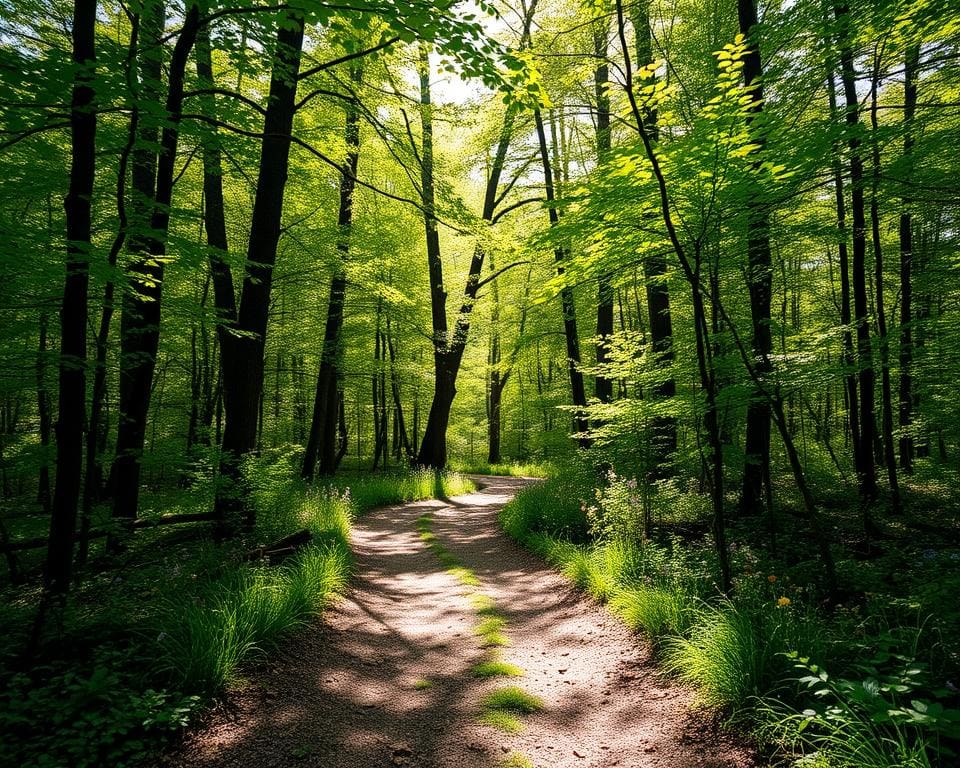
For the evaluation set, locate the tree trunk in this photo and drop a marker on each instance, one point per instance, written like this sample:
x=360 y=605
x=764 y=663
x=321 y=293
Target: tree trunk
x=692 y=272
x=578 y=393
x=73 y=313
x=905 y=390
x=323 y=427
x=759 y=281
x=400 y=425
x=866 y=471
x=664 y=428
x=603 y=385
x=848 y=358
x=140 y=313
x=886 y=393
x=242 y=355
x=43 y=414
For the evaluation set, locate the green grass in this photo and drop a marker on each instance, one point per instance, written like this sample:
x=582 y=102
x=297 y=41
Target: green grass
x=483 y=605
x=658 y=612
x=502 y=708
x=515 y=760
x=496 y=668
x=204 y=642
x=541 y=469
x=502 y=721
x=371 y=491
x=551 y=507
x=422 y=684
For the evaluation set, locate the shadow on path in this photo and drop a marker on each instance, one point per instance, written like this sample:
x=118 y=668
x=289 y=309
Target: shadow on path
x=343 y=693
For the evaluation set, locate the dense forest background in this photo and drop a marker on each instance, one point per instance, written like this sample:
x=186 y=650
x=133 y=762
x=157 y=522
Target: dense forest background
x=698 y=255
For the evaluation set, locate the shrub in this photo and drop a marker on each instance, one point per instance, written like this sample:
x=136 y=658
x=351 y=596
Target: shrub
x=553 y=508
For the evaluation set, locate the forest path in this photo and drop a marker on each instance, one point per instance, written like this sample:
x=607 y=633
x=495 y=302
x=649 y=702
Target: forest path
x=343 y=693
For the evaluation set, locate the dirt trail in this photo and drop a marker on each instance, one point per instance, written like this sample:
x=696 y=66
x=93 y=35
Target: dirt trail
x=342 y=694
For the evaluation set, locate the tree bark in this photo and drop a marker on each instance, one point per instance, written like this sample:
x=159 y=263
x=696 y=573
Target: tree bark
x=242 y=354
x=905 y=389
x=73 y=313
x=759 y=280
x=140 y=313
x=322 y=441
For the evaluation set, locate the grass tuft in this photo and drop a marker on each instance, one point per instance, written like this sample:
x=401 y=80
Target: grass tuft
x=657 y=612
x=501 y=708
x=497 y=668
x=204 y=642
x=503 y=721
x=483 y=605
x=422 y=684
x=516 y=760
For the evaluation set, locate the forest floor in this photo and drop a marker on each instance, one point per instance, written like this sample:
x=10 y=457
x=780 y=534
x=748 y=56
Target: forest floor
x=387 y=677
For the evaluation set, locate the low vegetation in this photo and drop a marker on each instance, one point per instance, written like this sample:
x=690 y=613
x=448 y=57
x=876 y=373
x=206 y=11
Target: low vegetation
x=862 y=682
x=149 y=649
x=503 y=707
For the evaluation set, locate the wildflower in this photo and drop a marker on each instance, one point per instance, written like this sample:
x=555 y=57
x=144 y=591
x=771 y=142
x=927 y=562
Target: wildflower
x=772 y=579
x=783 y=602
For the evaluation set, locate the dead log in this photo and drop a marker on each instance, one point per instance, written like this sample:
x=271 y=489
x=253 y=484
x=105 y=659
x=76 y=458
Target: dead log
x=281 y=548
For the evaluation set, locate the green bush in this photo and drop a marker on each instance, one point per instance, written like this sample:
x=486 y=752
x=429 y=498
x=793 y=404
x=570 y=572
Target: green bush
x=89 y=715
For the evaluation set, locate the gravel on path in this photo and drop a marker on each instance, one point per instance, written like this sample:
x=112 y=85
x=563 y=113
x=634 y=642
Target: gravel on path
x=385 y=679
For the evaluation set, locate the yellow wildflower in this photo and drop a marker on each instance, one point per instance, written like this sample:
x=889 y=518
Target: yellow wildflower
x=783 y=601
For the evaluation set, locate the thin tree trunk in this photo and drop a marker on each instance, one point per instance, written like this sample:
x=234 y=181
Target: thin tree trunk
x=399 y=421
x=43 y=414
x=664 y=428
x=848 y=358
x=323 y=427
x=905 y=390
x=866 y=471
x=691 y=270
x=886 y=393
x=578 y=393
x=603 y=385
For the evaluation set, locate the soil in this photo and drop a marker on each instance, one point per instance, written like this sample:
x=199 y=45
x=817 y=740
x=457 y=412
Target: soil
x=349 y=691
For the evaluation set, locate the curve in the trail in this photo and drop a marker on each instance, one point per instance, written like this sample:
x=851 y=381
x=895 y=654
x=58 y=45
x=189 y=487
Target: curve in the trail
x=386 y=680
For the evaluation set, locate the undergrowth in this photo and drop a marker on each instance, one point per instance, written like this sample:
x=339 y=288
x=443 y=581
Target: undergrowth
x=758 y=655
x=138 y=656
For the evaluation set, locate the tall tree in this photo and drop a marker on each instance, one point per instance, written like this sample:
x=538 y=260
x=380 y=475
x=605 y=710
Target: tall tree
x=73 y=312
x=866 y=470
x=242 y=351
x=657 y=288
x=905 y=389
x=140 y=314
x=603 y=384
x=756 y=469
x=322 y=441
x=886 y=393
